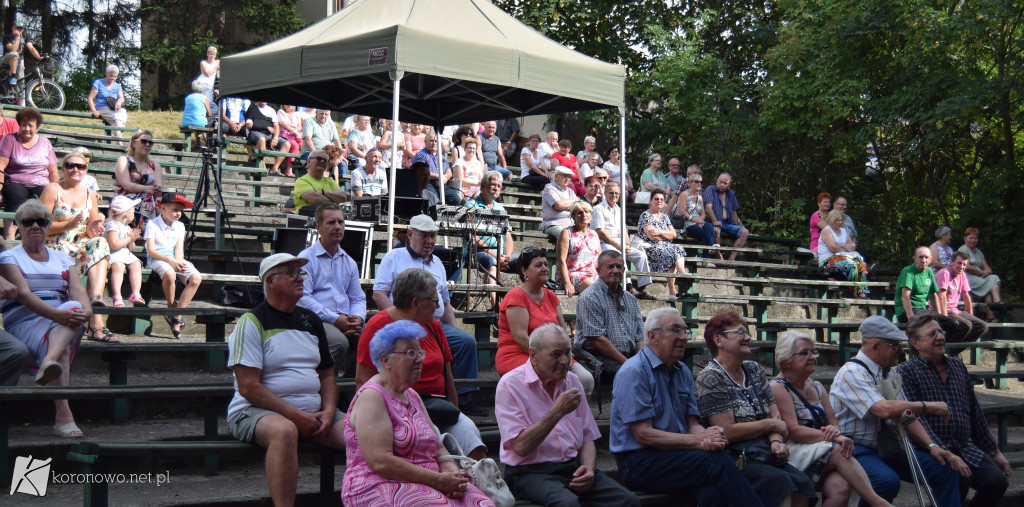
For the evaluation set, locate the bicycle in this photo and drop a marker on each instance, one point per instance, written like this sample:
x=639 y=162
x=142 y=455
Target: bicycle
x=44 y=93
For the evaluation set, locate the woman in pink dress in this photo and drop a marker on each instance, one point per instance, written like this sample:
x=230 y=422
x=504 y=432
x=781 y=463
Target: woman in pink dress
x=392 y=450
x=577 y=250
x=819 y=220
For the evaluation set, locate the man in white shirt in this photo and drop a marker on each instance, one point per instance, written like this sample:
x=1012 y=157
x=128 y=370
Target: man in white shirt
x=331 y=289
x=607 y=223
x=417 y=253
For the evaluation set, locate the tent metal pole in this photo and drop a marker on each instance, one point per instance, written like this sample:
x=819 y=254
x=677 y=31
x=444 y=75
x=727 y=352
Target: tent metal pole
x=622 y=184
x=440 y=171
x=396 y=77
x=218 y=241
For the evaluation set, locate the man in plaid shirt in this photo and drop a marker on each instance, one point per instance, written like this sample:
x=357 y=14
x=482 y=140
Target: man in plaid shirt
x=931 y=375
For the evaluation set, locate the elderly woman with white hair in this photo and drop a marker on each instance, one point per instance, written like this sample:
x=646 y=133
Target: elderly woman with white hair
x=197 y=111
x=393 y=452
x=106 y=99
x=816 y=445
x=942 y=252
x=589 y=148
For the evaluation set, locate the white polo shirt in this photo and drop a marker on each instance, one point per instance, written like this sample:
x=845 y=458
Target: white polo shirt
x=401 y=259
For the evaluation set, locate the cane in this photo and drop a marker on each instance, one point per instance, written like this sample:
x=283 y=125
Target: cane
x=916 y=471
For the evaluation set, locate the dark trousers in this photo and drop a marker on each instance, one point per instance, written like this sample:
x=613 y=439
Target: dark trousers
x=14 y=358
x=969 y=326
x=15 y=194
x=955 y=332
x=713 y=476
x=609 y=369
x=988 y=482
x=535 y=180
x=705 y=234
x=548 y=484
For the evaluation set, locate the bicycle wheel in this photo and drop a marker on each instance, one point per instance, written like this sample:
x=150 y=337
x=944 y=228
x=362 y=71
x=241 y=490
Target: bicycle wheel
x=46 y=94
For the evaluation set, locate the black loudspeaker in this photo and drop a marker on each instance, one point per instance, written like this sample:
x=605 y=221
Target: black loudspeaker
x=290 y=240
x=356 y=244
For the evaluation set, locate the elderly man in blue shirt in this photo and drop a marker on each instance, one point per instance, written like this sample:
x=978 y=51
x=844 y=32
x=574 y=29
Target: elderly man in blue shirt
x=657 y=441
x=331 y=289
x=428 y=155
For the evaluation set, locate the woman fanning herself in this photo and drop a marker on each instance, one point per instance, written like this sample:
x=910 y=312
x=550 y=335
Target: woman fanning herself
x=733 y=393
x=836 y=249
x=391 y=448
x=815 y=444
x=526 y=308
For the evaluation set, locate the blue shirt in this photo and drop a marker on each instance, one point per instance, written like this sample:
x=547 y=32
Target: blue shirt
x=424 y=155
x=711 y=197
x=332 y=285
x=103 y=92
x=646 y=388
x=194 y=114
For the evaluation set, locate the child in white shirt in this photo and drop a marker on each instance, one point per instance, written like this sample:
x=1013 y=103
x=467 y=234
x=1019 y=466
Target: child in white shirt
x=165 y=244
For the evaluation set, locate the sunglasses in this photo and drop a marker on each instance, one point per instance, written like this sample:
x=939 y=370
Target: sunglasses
x=41 y=222
x=146 y=142
x=321 y=160
x=73 y=165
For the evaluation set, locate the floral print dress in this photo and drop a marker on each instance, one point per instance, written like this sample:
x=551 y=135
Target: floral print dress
x=581 y=258
x=661 y=254
x=76 y=243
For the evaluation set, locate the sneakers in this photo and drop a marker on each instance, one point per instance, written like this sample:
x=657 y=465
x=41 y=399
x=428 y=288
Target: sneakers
x=644 y=294
x=13 y=81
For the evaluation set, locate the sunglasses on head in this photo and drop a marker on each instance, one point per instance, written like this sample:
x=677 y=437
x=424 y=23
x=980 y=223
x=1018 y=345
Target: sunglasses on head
x=41 y=222
x=75 y=165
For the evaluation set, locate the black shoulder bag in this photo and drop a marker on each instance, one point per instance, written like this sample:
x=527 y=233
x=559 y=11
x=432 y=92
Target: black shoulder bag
x=442 y=412
x=889 y=447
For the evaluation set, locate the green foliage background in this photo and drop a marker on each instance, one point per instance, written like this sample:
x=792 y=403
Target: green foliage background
x=788 y=94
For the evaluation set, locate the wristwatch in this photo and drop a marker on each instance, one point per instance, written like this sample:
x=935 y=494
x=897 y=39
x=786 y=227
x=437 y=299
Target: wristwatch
x=933 y=444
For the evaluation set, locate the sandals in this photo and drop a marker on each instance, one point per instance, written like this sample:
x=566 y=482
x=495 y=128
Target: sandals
x=97 y=301
x=289 y=174
x=118 y=302
x=136 y=298
x=275 y=173
x=105 y=337
x=175 y=321
x=69 y=430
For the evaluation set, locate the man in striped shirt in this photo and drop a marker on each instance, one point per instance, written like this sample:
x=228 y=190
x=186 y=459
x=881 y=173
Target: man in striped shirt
x=862 y=411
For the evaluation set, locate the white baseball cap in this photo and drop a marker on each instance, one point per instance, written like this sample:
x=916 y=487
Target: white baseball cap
x=423 y=223
x=278 y=259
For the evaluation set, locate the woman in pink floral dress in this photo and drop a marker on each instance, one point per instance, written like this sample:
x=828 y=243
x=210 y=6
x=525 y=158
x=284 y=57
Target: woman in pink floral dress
x=577 y=250
x=388 y=434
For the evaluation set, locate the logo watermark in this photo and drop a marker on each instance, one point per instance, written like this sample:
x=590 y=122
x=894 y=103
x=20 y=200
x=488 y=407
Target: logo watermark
x=32 y=476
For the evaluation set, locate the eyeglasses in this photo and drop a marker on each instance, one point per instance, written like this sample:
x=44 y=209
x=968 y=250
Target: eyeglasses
x=697 y=181
x=293 y=273
x=531 y=250
x=675 y=330
x=413 y=354
x=934 y=334
x=435 y=300
x=808 y=352
x=146 y=142
x=742 y=331
x=72 y=165
x=41 y=222
x=891 y=344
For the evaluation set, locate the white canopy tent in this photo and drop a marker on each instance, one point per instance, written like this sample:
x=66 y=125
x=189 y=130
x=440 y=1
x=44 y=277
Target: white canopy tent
x=435 y=62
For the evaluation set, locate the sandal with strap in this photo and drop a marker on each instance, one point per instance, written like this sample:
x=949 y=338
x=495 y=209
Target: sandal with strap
x=105 y=337
x=136 y=298
x=118 y=302
x=68 y=430
x=174 y=321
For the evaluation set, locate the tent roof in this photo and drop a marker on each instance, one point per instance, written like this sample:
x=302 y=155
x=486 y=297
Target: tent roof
x=461 y=61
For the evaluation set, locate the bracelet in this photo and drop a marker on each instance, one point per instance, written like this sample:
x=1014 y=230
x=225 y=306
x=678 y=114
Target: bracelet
x=933 y=444
x=924 y=408
x=777 y=440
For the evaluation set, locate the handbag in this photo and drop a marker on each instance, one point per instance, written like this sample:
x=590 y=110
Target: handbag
x=642 y=197
x=755 y=450
x=112 y=102
x=483 y=474
x=890 y=449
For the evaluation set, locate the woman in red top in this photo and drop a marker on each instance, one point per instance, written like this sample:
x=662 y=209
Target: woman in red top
x=526 y=308
x=565 y=158
x=415 y=299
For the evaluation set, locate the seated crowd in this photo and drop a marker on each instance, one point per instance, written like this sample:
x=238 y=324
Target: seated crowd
x=730 y=435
